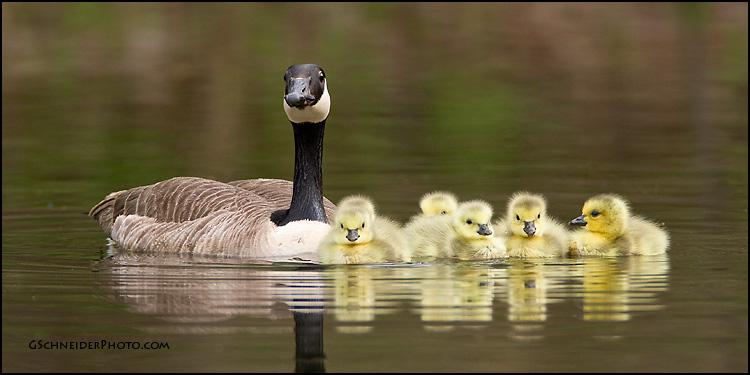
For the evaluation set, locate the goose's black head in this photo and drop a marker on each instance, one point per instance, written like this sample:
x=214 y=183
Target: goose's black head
x=306 y=96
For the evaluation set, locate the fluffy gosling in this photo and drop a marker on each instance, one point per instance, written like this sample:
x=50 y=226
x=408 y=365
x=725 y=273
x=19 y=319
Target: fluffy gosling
x=438 y=203
x=529 y=232
x=610 y=229
x=467 y=234
x=358 y=235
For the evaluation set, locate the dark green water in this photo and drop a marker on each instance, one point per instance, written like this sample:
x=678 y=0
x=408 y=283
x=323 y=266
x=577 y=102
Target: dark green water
x=568 y=100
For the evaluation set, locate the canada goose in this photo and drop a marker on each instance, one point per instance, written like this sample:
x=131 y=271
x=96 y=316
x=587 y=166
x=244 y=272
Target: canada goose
x=438 y=203
x=246 y=218
x=359 y=235
x=467 y=234
x=610 y=229
x=528 y=230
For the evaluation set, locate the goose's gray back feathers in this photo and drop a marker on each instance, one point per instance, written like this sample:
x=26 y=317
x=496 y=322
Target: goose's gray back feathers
x=201 y=216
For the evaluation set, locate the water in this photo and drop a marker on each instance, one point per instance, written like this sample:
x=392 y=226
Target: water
x=565 y=100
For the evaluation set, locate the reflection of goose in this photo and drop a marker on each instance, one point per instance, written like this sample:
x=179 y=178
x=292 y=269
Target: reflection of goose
x=528 y=230
x=249 y=218
x=358 y=235
x=194 y=296
x=610 y=229
x=180 y=288
x=467 y=234
x=438 y=203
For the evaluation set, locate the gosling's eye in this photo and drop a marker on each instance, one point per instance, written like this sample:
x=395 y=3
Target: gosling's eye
x=518 y=218
x=363 y=225
x=469 y=222
x=342 y=225
x=539 y=216
x=594 y=213
x=443 y=212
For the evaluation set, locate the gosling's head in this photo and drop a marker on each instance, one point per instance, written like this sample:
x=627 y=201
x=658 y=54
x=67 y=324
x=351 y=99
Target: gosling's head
x=472 y=220
x=527 y=214
x=606 y=214
x=353 y=220
x=438 y=203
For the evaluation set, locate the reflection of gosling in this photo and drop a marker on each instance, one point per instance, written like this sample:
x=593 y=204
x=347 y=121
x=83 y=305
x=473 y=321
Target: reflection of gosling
x=358 y=235
x=438 y=203
x=467 y=234
x=610 y=229
x=527 y=292
x=529 y=232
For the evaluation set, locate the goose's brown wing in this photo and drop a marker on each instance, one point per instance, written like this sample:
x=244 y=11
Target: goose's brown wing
x=176 y=200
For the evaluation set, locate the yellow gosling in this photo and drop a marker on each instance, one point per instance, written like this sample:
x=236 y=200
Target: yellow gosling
x=427 y=230
x=467 y=234
x=474 y=238
x=529 y=232
x=358 y=235
x=609 y=229
x=438 y=203
x=427 y=236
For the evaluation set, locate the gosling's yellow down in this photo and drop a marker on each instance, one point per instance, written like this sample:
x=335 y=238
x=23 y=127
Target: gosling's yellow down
x=528 y=231
x=427 y=230
x=609 y=228
x=467 y=234
x=359 y=235
x=438 y=203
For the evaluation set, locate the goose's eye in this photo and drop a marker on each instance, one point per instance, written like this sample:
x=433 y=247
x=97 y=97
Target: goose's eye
x=321 y=76
x=594 y=213
x=518 y=218
x=469 y=222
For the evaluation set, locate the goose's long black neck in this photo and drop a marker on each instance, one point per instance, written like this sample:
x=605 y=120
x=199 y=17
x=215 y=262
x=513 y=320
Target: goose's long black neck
x=307 y=196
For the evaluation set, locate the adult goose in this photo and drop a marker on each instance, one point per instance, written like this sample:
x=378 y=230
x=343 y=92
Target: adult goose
x=245 y=218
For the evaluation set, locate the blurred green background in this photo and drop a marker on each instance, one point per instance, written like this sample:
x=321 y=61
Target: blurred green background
x=534 y=96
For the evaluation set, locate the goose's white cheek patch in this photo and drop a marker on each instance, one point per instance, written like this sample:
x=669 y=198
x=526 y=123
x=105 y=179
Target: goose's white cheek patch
x=314 y=114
